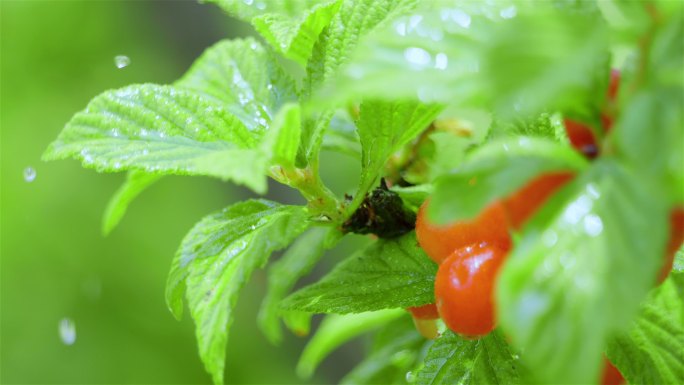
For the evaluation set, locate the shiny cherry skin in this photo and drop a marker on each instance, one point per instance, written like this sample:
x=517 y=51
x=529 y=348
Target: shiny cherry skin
x=521 y=205
x=440 y=241
x=611 y=375
x=581 y=138
x=675 y=241
x=464 y=289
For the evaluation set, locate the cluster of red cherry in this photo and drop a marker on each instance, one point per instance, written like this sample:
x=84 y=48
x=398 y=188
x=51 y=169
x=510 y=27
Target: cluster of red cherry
x=470 y=253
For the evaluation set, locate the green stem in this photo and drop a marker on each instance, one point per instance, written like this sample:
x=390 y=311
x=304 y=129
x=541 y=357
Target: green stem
x=321 y=201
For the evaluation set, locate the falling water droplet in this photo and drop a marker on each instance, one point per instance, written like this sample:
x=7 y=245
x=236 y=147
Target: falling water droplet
x=67 y=331
x=29 y=174
x=122 y=61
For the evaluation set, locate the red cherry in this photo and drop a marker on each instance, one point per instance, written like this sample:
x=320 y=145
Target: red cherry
x=613 y=84
x=464 y=289
x=675 y=241
x=428 y=311
x=582 y=138
x=424 y=320
x=611 y=375
x=521 y=205
x=440 y=241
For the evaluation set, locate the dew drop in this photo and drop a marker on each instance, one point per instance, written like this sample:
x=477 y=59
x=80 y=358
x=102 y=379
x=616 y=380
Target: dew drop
x=417 y=56
x=252 y=227
x=441 y=61
x=67 y=331
x=593 y=225
x=248 y=2
x=29 y=174
x=269 y=86
x=261 y=5
x=508 y=13
x=550 y=238
x=411 y=377
x=253 y=46
x=400 y=28
x=122 y=61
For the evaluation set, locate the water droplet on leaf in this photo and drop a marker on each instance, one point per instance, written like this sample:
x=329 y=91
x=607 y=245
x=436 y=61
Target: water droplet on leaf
x=29 y=174
x=67 y=331
x=122 y=61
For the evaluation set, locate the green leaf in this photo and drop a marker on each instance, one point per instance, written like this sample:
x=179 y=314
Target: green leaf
x=388 y=274
x=247 y=10
x=383 y=129
x=354 y=20
x=495 y=170
x=215 y=260
x=299 y=259
x=544 y=125
x=580 y=271
x=341 y=137
x=396 y=350
x=244 y=77
x=651 y=352
x=162 y=130
x=335 y=330
x=282 y=140
x=654 y=110
x=136 y=182
x=413 y=196
x=455 y=360
x=515 y=56
x=294 y=36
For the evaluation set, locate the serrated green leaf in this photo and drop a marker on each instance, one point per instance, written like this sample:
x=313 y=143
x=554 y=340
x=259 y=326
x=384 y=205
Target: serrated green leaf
x=654 y=110
x=299 y=259
x=215 y=260
x=294 y=37
x=282 y=140
x=244 y=77
x=136 y=182
x=544 y=125
x=456 y=54
x=651 y=352
x=580 y=271
x=388 y=274
x=495 y=170
x=455 y=360
x=246 y=10
x=337 y=329
x=354 y=20
x=384 y=128
x=341 y=137
x=413 y=196
x=396 y=349
x=162 y=130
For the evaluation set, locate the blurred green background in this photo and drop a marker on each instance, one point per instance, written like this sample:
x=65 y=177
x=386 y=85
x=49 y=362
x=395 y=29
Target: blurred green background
x=55 y=264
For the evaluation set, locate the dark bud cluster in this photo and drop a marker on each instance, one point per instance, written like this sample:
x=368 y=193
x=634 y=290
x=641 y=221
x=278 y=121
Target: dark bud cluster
x=382 y=213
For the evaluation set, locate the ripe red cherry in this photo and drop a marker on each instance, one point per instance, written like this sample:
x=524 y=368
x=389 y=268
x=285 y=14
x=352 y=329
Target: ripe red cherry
x=611 y=375
x=464 y=289
x=609 y=110
x=428 y=311
x=675 y=241
x=521 y=205
x=613 y=84
x=424 y=320
x=582 y=138
x=440 y=241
